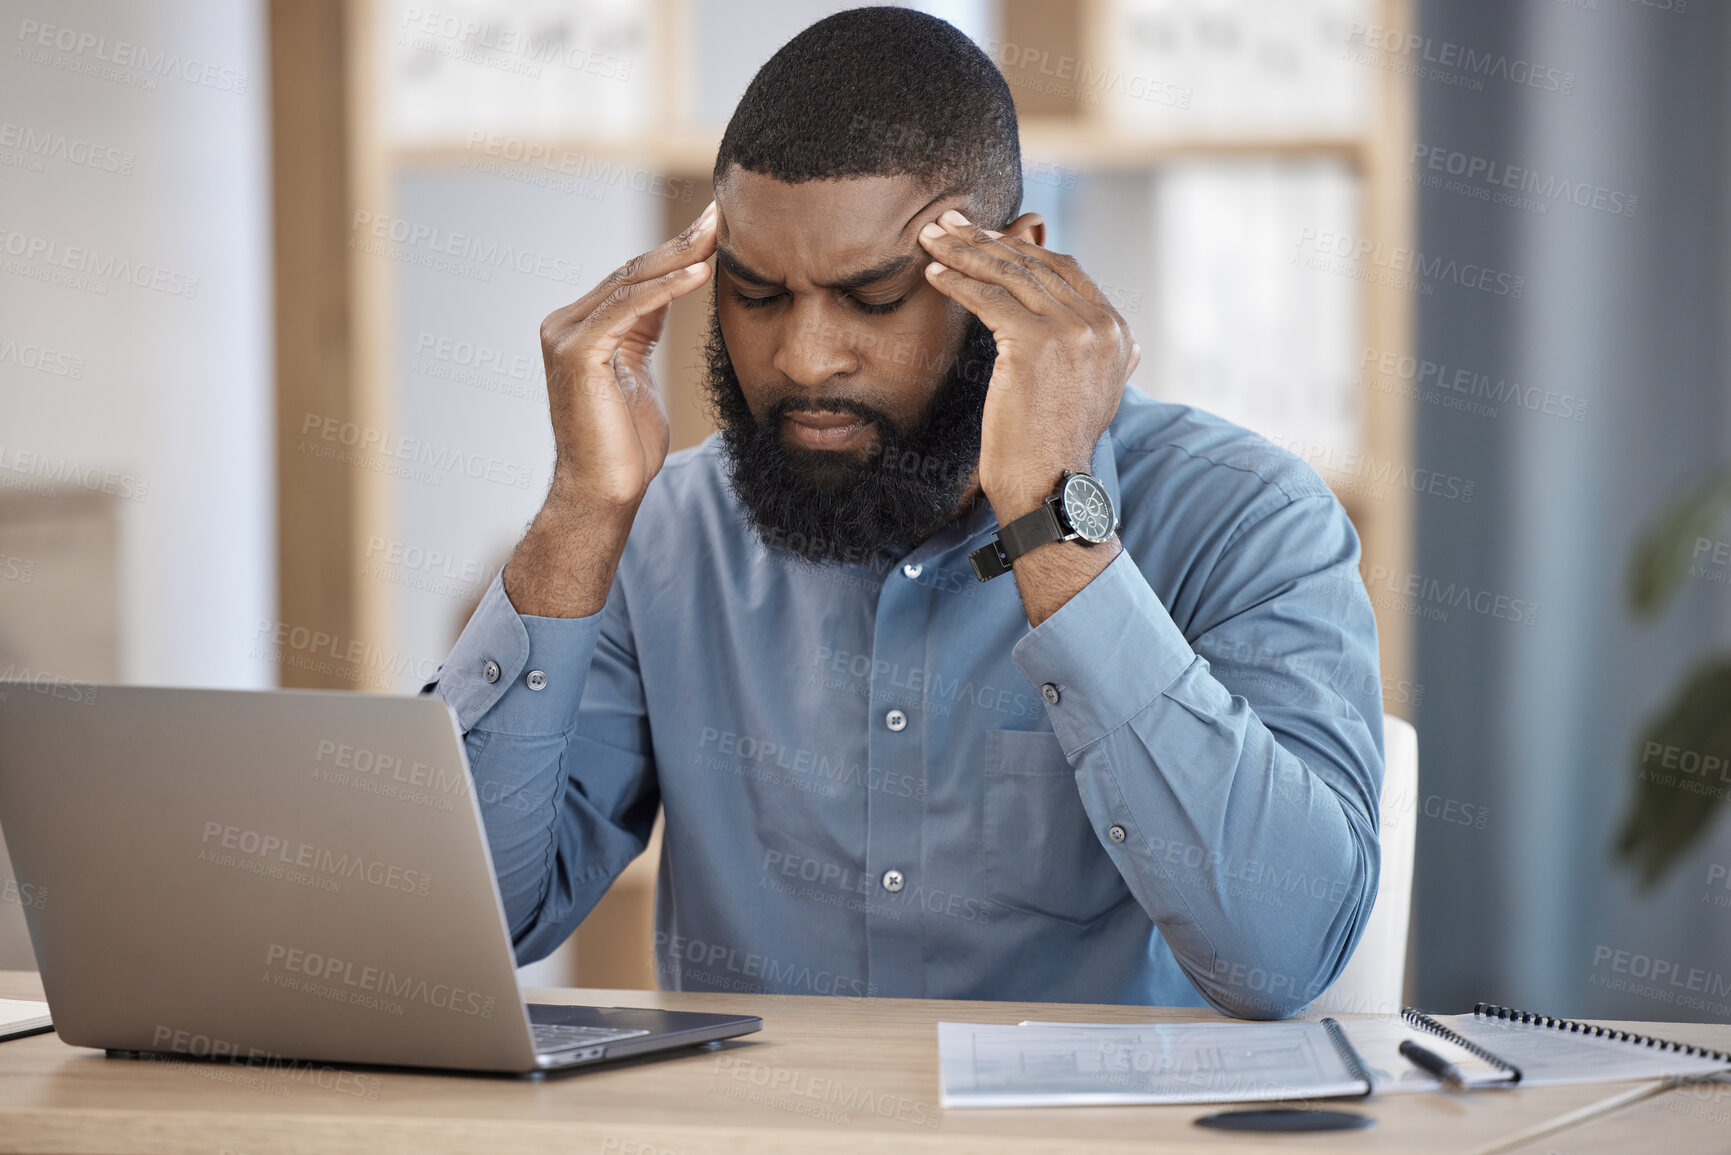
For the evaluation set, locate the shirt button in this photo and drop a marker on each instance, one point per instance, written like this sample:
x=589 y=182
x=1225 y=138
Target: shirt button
x=893 y=880
x=490 y=671
x=896 y=720
x=1116 y=833
x=537 y=680
x=912 y=570
x=1050 y=693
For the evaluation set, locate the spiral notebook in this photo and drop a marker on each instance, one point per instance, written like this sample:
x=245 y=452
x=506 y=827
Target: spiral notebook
x=1540 y=1050
x=1082 y=1064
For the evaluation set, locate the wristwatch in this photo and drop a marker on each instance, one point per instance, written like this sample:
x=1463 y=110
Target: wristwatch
x=1081 y=510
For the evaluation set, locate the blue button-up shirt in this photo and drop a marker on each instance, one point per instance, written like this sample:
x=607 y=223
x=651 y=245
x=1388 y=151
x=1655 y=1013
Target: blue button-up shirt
x=879 y=780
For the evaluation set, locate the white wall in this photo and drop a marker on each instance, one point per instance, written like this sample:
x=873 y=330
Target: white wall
x=470 y=378
x=173 y=404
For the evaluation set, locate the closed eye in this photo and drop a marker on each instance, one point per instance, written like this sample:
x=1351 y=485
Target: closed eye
x=755 y=302
x=879 y=310
x=867 y=307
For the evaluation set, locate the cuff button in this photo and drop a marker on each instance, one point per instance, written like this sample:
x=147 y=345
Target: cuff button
x=1050 y=693
x=1116 y=833
x=490 y=671
x=537 y=680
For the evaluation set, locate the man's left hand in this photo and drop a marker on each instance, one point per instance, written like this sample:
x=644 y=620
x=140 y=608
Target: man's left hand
x=1064 y=354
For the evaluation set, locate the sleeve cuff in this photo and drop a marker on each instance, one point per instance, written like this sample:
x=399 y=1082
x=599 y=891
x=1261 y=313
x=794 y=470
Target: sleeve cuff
x=1106 y=654
x=515 y=674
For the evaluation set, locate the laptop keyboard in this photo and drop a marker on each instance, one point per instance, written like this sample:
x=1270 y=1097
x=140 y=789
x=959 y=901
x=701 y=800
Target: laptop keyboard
x=552 y=1037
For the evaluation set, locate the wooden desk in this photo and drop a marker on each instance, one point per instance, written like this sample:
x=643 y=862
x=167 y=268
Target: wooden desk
x=825 y=1075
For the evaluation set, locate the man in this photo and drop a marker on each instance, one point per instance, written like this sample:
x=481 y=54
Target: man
x=1138 y=766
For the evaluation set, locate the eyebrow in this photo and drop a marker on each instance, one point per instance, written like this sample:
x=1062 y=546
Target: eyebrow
x=883 y=271
x=879 y=272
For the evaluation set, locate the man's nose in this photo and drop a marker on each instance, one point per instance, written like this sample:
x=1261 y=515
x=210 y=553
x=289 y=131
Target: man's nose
x=814 y=349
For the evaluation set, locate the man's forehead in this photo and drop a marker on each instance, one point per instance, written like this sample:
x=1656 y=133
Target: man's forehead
x=823 y=227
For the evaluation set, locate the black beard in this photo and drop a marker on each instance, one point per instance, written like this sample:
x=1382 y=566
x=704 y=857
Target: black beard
x=831 y=505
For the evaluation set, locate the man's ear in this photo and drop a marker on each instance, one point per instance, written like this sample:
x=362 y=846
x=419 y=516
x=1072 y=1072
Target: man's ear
x=1030 y=227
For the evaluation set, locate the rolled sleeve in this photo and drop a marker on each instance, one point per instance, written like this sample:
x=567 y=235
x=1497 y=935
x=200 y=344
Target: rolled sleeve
x=1108 y=651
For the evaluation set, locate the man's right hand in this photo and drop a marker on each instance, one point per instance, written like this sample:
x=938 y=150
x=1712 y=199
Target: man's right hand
x=608 y=420
x=609 y=425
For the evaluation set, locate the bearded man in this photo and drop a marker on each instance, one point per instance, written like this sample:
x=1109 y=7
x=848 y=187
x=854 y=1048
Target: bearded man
x=959 y=667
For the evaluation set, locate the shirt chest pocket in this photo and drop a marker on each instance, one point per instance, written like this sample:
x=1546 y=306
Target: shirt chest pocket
x=1041 y=854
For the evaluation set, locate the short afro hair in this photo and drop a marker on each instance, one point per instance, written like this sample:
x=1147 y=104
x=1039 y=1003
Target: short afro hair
x=882 y=92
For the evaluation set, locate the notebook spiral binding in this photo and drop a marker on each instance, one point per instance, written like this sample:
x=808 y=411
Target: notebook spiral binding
x=1510 y=1014
x=1348 y=1055
x=1425 y=1023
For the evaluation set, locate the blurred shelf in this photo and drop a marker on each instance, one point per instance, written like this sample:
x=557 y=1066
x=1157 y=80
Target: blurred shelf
x=1052 y=139
x=669 y=152
x=1090 y=146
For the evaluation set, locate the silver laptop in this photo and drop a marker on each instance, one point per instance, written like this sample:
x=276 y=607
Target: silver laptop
x=295 y=874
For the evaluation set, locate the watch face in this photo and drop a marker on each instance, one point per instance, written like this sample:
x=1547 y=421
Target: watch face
x=1088 y=508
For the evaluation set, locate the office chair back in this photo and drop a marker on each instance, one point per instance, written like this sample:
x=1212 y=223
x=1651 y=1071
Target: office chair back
x=1375 y=975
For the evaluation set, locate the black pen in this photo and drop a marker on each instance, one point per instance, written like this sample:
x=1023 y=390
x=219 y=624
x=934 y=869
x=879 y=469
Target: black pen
x=1434 y=1063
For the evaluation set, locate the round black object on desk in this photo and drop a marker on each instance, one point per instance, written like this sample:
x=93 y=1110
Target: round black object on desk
x=1286 y=1119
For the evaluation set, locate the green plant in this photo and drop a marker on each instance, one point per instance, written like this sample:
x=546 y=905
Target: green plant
x=1683 y=764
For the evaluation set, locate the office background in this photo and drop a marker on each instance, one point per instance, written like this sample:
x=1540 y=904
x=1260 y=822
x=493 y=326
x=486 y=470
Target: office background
x=271 y=408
